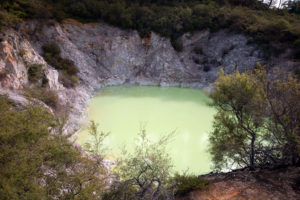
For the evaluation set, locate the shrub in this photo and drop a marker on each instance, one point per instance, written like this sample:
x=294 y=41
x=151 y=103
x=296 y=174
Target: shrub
x=67 y=69
x=35 y=73
x=52 y=49
x=187 y=183
x=177 y=45
x=68 y=80
x=145 y=174
x=8 y=19
x=38 y=161
x=68 y=66
x=49 y=97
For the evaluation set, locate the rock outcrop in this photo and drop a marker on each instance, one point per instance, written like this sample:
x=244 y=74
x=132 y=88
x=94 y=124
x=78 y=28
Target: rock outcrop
x=107 y=55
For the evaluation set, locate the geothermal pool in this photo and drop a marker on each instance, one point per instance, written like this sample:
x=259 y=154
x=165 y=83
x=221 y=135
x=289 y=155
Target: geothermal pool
x=122 y=110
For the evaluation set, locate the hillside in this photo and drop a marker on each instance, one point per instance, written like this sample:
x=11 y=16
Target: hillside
x=56 y=55
x=276 y=30
x=106 y=55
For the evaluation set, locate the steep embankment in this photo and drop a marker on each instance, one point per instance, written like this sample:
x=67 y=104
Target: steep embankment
x=272 y=184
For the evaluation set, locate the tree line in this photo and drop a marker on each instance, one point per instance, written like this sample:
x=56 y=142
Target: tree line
x=276 y=29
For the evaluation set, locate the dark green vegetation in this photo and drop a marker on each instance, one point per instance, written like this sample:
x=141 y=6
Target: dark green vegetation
x=188 y=183
x=38 y=162
x=36 y=73
x=258 y=120
x=49 y=97
x=146 y=174
x=38 y=88
x=66 y=67
x=274 y=29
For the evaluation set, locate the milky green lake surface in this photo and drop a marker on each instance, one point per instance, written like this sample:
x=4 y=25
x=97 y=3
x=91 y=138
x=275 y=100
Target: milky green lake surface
x=122 y=110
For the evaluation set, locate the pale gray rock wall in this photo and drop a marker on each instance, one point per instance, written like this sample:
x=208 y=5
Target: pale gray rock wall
x=107 y=55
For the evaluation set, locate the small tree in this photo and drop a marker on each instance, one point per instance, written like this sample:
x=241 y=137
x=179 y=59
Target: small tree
x=96 y=146
x=283 y=110
x=257 y=120
x=144 y=174
x=238 y=99
x=37 y=161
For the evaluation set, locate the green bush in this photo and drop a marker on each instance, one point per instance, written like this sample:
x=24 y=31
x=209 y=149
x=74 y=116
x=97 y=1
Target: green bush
x=46 y=95
x=187 y=183
x=37 y=161
x=35 y=73
x=177 y=45
x=68 y=80
x=67 y=69
x=68 y=66
x=52 y=49
x=8 y=19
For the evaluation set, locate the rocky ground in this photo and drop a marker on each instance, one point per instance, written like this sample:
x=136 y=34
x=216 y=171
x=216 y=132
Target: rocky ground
x=281 y=183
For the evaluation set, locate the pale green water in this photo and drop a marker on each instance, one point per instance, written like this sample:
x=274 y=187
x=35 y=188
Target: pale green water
x=122 y=110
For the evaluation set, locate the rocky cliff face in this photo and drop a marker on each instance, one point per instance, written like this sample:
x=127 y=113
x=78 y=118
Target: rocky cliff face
x=106 y=55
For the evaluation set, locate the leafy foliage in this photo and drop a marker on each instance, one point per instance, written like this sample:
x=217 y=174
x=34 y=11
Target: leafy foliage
x=187 y=183
x=49 y=97
x=257 y=120
x=144 y=174
x=36 y=73
x=67 y=68
x=96 y=145
x=38 y=162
